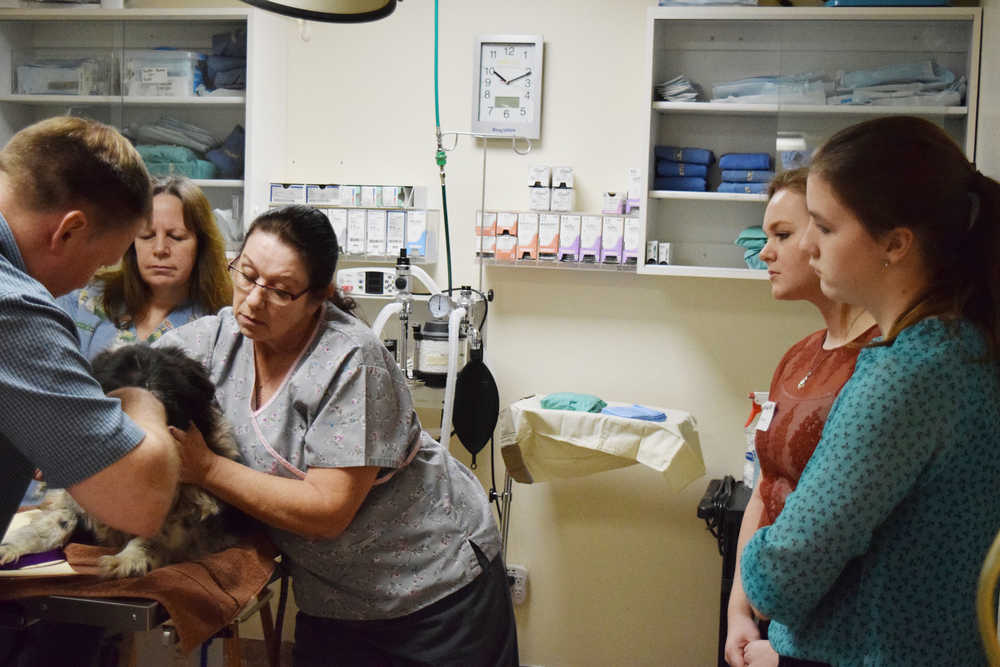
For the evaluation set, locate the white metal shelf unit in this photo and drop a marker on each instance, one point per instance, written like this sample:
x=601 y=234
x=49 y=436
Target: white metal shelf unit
x=111 y=33
x=719 y=44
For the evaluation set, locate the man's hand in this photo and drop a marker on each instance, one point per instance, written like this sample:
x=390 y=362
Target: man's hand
x=742 y=630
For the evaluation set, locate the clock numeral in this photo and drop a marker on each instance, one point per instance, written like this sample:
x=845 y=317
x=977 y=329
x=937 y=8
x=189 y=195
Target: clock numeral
x=527 y=94
x=487 y=82
x=524 y=111
x=493 y=53
x=525 y=55
x=506 y=113
x=486 y=94
x=508 y=50
x=527 y=83
x=489 y=110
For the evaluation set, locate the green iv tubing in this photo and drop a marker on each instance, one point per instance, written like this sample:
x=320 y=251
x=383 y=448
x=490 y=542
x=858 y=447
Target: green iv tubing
x=440 y=157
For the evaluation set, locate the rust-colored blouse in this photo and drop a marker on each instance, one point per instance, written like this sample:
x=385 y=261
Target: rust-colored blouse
x=802 y=407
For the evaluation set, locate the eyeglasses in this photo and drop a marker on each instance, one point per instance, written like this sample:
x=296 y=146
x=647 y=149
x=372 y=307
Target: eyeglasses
x=273 y=295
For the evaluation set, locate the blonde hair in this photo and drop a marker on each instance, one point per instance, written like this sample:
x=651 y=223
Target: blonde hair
x=67 y=162
x=126 y=295
x=793 y=179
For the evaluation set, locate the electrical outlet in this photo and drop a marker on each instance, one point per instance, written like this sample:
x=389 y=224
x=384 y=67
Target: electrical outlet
x=517 y=577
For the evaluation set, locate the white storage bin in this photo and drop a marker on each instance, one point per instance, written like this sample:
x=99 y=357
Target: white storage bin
x=166 y=73
x=63 y=72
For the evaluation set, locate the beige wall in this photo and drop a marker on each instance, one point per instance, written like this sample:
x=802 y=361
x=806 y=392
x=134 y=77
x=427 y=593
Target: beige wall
x=621 y=571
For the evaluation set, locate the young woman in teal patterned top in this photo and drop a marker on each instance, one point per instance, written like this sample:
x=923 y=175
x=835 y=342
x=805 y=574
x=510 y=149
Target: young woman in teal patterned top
x=875 y=558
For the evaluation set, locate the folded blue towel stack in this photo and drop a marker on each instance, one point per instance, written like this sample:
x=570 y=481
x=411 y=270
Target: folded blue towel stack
x=745 y=173
x=682 y=168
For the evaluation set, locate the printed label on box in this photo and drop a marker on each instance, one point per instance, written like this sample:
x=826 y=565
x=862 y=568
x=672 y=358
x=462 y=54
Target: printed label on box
x=153 y=75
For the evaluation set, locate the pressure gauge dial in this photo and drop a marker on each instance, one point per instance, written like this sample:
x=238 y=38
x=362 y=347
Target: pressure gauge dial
x=440 y=306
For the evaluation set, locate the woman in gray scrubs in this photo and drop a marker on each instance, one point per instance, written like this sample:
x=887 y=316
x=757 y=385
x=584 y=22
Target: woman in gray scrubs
x=392 y=548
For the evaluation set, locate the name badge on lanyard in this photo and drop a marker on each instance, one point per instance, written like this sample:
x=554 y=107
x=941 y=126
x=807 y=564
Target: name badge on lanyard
x=766 y=415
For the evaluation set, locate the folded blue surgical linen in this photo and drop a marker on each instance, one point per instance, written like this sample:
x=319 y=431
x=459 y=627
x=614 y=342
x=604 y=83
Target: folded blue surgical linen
x=635 y=412
x=926 y=71
x=745 y=161
x=743 y=188
x=689 y=155
x=689 y=183
x=747 y=175
x=668 y=168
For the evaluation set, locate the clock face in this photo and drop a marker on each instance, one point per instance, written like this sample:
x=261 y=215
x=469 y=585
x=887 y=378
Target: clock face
x=508 y=86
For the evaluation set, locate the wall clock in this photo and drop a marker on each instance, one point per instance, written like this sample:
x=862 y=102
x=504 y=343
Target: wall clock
x=508 y=86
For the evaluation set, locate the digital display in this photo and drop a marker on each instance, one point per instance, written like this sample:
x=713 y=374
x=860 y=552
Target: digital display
x=507 y=102
x=373 y=282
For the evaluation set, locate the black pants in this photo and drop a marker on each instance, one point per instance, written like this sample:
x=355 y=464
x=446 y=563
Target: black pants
x=472 y=626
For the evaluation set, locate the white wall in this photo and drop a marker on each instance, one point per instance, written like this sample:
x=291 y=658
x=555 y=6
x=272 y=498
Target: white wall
x=621 y=571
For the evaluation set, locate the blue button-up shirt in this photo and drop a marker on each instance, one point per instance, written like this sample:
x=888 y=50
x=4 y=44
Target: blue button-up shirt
x=53 y=414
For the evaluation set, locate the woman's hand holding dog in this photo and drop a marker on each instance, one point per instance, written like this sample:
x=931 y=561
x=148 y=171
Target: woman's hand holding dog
x=196 y=458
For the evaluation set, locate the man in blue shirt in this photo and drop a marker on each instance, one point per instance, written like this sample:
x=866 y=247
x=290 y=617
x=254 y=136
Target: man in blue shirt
x=73 y=193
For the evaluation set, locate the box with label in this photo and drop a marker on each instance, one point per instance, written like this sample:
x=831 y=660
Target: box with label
x=539 y=176
x=485 y=245
x=631 y=240
x=563 y=199
x=350 y=195
x=376 y=228
x=562 y=177
x=507 y=223
x=490 y=226
x=416 y=233
x=633 y=193
x=613 y=203
x=322 y=194
x=527 y=236
x=539 y=199
x=611 y=239
x=569 y=238
x=548 y=236
x=357 y=223
x=395 y=233
x=338 y=220
x=590 y=238
x=63 y=72
x=287 y=193
x=166 y=73
x=371 y=196
x=506 y=247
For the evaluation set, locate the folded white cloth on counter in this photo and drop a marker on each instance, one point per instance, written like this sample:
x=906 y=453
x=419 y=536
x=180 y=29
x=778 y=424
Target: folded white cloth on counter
x=540 y=445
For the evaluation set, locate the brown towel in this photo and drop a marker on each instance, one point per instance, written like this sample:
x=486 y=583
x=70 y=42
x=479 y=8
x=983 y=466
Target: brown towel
x=202 y=596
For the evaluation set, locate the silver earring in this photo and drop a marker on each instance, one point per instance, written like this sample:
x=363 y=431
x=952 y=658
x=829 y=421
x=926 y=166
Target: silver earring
x=885 y=265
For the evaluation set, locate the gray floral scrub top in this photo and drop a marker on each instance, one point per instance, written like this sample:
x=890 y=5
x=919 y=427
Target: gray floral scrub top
x=345 y=403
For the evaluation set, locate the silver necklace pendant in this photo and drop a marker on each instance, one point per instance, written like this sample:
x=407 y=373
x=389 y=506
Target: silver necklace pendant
x=803 y=381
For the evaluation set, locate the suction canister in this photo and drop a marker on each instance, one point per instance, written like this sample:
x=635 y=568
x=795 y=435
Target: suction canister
x=431 y=357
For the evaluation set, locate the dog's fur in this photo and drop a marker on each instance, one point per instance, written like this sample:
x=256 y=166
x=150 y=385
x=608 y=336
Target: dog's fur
x=198 y=523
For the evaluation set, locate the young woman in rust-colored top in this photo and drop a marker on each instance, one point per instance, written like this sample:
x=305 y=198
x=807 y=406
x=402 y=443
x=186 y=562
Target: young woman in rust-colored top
x=804 y=386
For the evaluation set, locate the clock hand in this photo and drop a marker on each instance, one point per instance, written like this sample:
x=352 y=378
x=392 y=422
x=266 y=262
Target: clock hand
x=519 y=76
x=499 y=76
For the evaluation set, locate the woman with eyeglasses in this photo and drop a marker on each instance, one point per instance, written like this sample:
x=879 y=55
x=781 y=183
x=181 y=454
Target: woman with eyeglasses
x=390 y=541
x=174 y=272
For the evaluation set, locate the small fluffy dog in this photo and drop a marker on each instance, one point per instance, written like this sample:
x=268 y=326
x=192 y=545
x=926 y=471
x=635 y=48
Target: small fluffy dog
x=198 y=523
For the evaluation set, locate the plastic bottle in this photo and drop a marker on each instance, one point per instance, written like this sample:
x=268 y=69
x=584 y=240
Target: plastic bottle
x=751 y=465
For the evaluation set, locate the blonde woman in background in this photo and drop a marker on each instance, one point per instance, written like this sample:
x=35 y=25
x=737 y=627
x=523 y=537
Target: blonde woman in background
x=174 y=272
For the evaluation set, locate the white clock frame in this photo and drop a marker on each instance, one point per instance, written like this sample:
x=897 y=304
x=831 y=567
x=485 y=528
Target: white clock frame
x=509 y=128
